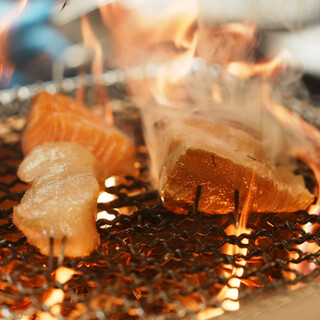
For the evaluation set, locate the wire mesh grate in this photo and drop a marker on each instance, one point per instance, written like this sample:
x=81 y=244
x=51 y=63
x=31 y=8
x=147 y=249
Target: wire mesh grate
x=151 y=262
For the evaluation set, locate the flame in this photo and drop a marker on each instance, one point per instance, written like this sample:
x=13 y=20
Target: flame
x=105 y=215
x=308 y=153
x=245 y=29
x=56 y=296
x=229 y=294
x=162 y=42
x=92 y=43
x=266 y=69
x=228 y=42
x=6 y=21
x=106 y=197
x=110 y=182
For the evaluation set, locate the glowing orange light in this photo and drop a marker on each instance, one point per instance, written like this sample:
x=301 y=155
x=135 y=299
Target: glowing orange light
x=227 y=42
x=309 y=153
x=110 y=182
x=246 y=29
x=6 y=21
x=92 y=43
x=164 y=40
x=229 y=294
x=56 y=296
x=106 y=197
x=216 y=94
x=311 y=135
x=245 y=70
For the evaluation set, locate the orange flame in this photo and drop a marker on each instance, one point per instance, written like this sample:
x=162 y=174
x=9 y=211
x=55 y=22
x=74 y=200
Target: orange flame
x=164 y=40
x=229 y=294
x=228 y=42
x=103 y=8
x=106 y=197
x=310 y=155
x=6 y=21
x=55 y=296
x=92 y=43
x=267 y=69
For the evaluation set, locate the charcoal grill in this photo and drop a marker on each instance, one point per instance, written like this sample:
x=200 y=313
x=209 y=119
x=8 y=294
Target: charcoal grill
x=152 y=264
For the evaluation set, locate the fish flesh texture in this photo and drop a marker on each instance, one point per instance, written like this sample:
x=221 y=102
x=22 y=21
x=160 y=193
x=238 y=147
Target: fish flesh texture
x=57 y=117
x=222 y=159
x=62 y=201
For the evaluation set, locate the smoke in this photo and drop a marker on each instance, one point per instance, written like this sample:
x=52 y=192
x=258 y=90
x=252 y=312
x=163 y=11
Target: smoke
x=185 y=65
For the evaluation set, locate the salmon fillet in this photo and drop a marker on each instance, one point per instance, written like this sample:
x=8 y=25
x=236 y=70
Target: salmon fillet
x=221 y=159
x=57 y=117
x=62 y=200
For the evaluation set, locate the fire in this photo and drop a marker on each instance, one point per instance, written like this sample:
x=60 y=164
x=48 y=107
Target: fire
x=54 y=297
x=309 y=151
x=166 y=42
x=6 y=21
x=92 y=43
x=266 y=69
x=106 y=197
x=227 y=42
x=163 y=41
x=110 y=182
x=229 y=294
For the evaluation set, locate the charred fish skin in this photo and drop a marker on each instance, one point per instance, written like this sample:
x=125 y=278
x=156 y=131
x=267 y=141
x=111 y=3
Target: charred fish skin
x=61 y=202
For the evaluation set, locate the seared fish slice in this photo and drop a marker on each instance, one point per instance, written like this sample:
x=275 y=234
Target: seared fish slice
x=222 y=159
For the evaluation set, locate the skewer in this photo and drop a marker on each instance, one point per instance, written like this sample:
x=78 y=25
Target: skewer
x=64 y=4
x=50 y=258
x=236 y=208
x=197 y=198
x=61 y=253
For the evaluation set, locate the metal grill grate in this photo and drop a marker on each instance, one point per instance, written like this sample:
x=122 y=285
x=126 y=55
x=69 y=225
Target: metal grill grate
x=152 y=263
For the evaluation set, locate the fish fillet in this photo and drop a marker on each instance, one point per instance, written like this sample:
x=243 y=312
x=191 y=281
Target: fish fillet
x=57 y=117
x=222 y=159
x=61 y=202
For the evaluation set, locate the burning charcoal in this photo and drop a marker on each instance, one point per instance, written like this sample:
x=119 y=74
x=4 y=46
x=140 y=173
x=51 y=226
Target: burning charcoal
x=222 y=159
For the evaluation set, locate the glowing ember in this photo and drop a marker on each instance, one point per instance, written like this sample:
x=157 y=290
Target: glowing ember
x=226 y=43
x=168 y=41
x=110 y=182
x=229 y=294
x=308 y=143
x=55 y=296
x=105 y=215
x=105 y=197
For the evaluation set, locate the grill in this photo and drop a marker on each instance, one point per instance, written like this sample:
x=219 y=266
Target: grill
x=152 y=264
